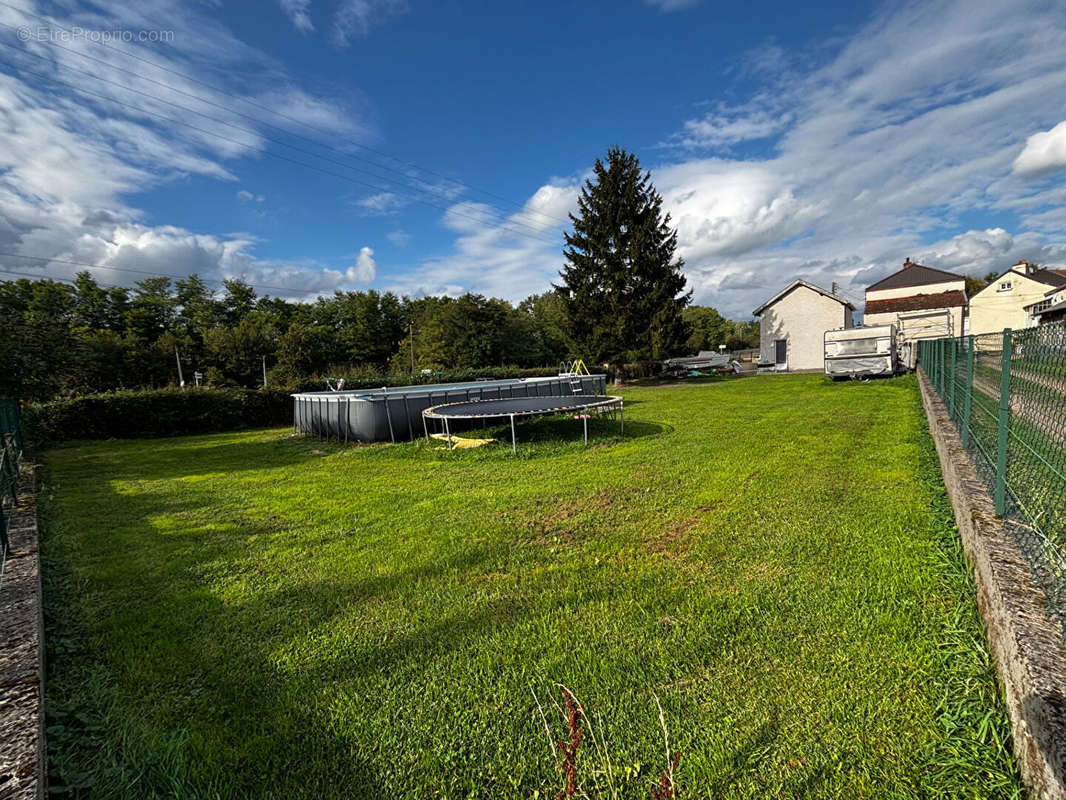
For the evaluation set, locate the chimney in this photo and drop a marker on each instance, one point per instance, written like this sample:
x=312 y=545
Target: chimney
x=908 y=263
x=1027 y=268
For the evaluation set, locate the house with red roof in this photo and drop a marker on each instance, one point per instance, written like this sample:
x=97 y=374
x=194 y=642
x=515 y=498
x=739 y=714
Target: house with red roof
x=922 y=302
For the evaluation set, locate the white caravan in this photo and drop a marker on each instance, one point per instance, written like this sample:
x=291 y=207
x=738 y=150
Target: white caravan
x=861 y=352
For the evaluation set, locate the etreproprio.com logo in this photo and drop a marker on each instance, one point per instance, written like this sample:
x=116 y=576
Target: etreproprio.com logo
x=76 y=34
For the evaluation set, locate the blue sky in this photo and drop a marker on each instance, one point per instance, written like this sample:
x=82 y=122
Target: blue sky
x=441 y=144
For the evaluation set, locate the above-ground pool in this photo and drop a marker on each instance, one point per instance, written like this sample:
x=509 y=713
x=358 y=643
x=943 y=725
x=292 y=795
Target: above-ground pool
x=393 y=414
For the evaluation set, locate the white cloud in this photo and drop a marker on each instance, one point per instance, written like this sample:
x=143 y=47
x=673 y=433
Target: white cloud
x=299 y=12
x=667 y=6
x=365 y=268
x=1044 y=152
x=69 y=160
x=355 y=18
x=296 y=109
x=511 y=257
x=723 y=208
x=399 y=238
x=382 y=204
x=726 y=127
x=889 y=146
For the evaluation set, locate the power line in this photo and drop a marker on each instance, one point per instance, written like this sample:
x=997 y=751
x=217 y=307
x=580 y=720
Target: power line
x=480 y=220
x=288 y=132
x=502 y=219
x=274 y=112
x=501 y=222
x=52 y=278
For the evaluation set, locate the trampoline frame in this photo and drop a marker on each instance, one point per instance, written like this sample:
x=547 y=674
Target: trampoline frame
x=599 y=404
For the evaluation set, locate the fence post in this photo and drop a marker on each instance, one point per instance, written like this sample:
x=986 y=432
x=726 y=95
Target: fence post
x=967 y=398
x=941 y=362
x=940 y=374
x=1004 y=422
x=951 y=379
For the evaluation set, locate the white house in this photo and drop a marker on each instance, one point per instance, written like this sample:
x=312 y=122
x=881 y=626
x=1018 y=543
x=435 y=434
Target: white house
x=1003 y=303
x=792 y=325
x=922 y=302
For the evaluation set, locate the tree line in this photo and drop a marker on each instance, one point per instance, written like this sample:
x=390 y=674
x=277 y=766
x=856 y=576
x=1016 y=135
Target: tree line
x=621 y=298
x=64 y=339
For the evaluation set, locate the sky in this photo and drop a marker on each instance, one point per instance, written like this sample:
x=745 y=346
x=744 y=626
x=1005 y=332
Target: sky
x=437 y=146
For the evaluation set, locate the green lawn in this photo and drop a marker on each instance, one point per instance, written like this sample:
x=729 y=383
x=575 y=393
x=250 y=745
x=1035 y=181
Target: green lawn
x=257 y=615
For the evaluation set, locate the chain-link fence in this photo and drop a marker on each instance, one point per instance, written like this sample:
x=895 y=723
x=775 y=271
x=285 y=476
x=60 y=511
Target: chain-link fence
x=10 y=456
x=1006 y=393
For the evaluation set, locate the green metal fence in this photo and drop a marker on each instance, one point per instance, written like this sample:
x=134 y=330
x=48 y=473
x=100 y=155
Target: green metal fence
x=1006 y=393
x=10 y=456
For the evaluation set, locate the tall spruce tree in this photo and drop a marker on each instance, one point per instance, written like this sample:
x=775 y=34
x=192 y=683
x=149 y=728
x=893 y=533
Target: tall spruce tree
x=623 y=288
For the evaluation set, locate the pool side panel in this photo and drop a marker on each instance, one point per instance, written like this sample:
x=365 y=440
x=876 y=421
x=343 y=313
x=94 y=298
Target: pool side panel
x=395 y=414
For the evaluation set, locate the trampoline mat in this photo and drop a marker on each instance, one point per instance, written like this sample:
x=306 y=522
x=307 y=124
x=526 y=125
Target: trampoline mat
x=520 y=406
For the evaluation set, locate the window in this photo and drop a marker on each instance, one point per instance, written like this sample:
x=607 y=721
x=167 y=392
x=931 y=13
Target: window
x=1005 y=286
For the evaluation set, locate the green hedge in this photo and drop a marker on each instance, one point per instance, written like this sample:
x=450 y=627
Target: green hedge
x=171 y=412
x=153 y=412
x=318 y=384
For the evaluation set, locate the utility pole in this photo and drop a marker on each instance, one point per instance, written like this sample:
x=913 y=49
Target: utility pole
x=264 y=372
x=412 y=347
x=181 y=379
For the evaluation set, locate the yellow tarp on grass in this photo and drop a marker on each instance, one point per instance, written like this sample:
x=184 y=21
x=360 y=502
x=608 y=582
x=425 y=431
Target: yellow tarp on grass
x=459 y=443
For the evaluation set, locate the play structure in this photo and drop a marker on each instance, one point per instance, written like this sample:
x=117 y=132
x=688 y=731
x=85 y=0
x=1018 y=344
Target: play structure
x=582 y=407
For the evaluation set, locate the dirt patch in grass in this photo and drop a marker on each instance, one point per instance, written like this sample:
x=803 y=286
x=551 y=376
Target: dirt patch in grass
x=673 y=541
x=569 y=520
x=763 y=571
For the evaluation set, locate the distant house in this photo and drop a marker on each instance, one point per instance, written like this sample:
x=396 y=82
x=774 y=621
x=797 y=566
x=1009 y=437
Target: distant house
x=793 y=323
x=1003 y=303
x=922 y=302
x=1052 y=308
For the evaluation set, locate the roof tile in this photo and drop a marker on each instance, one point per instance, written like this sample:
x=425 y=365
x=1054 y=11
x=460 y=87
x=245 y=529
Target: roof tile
x=914 y=275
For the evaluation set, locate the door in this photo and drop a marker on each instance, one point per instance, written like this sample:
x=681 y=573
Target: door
x=781 y=352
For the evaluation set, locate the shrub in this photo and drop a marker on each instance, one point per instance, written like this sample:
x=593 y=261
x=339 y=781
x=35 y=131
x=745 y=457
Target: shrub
x=129 y=414
x=362 y=381
x=153 y=412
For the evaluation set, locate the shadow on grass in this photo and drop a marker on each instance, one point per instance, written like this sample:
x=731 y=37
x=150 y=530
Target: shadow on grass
x=203 y=692
x=565 y=432
x=745 y=758
x=199 y=455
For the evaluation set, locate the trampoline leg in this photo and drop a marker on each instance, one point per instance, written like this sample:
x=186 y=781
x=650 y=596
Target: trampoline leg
x=448 y=433
x=514 y=442
x=585 y=419
x=622 y=416
x=425 y=427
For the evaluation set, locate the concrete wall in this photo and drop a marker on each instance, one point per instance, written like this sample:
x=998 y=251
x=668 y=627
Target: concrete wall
x=992 y=310
x=801 y=317
x=1025 y=642
x=23 y=762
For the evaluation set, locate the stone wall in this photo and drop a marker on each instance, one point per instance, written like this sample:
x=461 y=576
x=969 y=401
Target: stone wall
x=1025 y=641
x=22 y=752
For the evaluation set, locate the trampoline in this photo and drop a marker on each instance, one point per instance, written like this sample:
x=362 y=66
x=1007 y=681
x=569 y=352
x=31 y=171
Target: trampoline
x=582 y=405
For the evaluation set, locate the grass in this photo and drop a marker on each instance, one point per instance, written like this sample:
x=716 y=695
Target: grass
x=772 y=559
